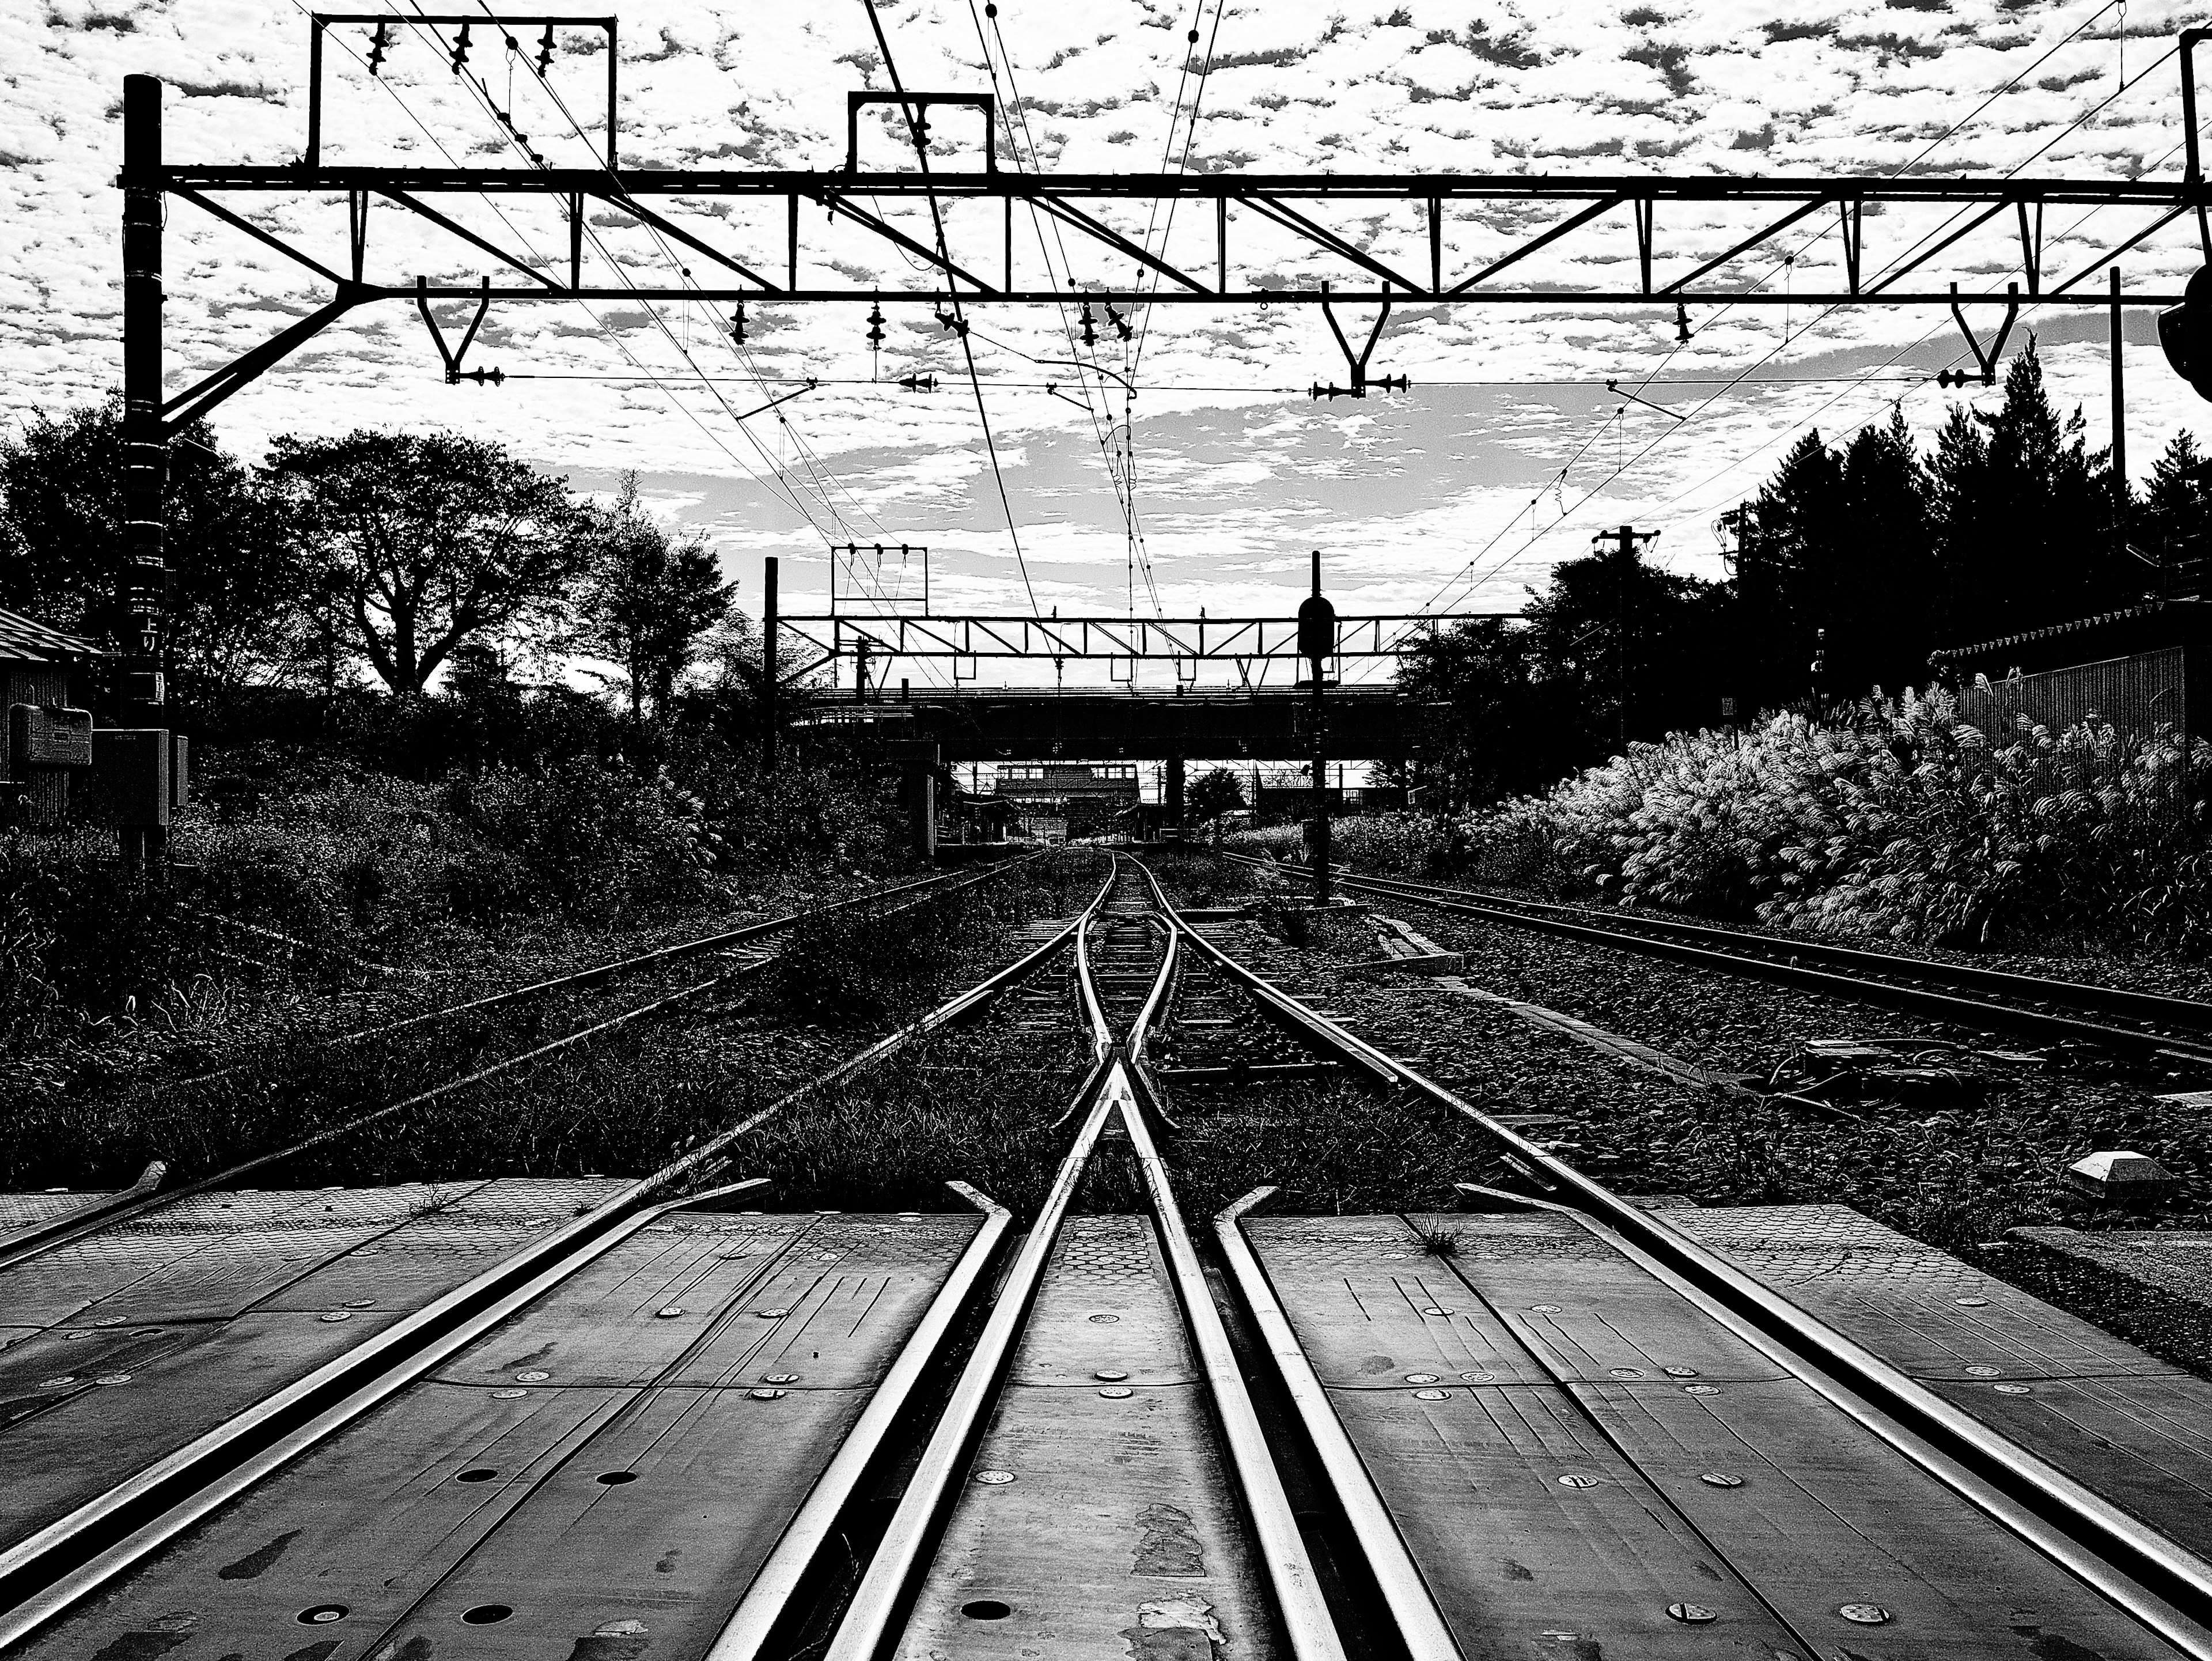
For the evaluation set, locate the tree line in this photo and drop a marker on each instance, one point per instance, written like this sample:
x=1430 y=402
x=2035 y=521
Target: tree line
x=1853 y=563
x=391 y=556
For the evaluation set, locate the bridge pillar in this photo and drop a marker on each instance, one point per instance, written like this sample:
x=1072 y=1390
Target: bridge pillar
x=1171 y=794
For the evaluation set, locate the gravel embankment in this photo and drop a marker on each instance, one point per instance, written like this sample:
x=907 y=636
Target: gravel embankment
x=1954 y=1161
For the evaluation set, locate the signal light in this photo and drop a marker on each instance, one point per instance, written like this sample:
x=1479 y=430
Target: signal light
x=2185 y=333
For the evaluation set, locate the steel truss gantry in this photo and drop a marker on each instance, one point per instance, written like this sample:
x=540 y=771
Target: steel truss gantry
x=1514 y=216
x=1155 y=639
x=1671 y=218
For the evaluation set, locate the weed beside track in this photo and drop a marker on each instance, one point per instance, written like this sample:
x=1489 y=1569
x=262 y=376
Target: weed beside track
x=622 y=1102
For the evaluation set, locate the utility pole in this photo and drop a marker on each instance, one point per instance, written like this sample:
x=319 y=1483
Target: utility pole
x=2119 y=433
x=1316 y=643
x=771 y=693
x=141 y=582
x=1627 y=543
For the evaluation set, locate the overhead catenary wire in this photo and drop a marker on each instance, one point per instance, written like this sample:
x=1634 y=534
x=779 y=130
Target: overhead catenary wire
x=779 y=470
x=1119 y=470
x=959 y=321
x=1903 y=260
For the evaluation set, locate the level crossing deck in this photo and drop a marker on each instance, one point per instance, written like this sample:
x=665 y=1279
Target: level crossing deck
x=1583 y=1462
x=600 y=1476
x=2135 y=1428
x=1101 y=1436
x=127 y=1342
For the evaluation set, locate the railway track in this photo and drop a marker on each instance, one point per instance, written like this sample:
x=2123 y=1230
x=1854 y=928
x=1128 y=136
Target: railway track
x=2143 y=1024
x=1573 y=1427
x=742 y=951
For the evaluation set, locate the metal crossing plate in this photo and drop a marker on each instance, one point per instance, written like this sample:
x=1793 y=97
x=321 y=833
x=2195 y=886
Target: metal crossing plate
x=206 y=1256
x=323 y=1561
x=1372 y=1306
x=607 y=1326
x=1820 y=1516
x=1586 y=1312
x=1099 y=1312
x=1919 y=1308
x=2122 y=1422
x=1661 y=1463
x=83 y=1431
x=178 y=1320
x=19 y=1210
x=521 y=1515
x=1097 y=1523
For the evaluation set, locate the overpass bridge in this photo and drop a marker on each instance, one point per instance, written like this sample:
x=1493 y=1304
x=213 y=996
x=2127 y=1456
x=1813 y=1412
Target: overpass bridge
x=1015 y=724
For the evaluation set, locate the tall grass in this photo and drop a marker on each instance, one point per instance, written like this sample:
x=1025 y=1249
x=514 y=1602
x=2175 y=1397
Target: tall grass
x=1900 y=821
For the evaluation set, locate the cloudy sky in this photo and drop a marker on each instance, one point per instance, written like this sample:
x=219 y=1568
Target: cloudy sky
x=1506 y=455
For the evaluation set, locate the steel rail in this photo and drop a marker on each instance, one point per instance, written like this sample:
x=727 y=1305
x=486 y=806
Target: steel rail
x=17 y=1249
x=883 y=1586
x=1421 y=1625
x=2172 y=1586
x=1761 y=957
x=769 y=1597
x=2146 y=1007
x=1299 y=1602
x=73 y=1556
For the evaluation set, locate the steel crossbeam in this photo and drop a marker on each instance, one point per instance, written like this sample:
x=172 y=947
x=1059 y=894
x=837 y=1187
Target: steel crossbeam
x=1158 y=640
x=1290 y=205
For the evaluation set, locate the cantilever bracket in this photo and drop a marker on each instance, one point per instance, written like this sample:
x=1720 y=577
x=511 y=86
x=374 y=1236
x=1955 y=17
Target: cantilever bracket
x=1987 y=361
x=1357 y=361
x=453 y=359
x=1612 y=385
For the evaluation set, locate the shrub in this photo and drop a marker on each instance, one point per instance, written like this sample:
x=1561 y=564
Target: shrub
x=1898 y=821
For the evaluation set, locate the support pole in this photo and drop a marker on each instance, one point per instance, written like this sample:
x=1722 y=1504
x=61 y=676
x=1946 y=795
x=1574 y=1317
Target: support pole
x=2120 y=500
x=142 y=580
x=1316 y=644
x=1172 y=793
x=771 y=669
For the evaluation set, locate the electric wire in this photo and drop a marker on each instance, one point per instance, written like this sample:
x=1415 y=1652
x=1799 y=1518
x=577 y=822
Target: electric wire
x=1902 y=261
x=780 y=471
x=959 y=321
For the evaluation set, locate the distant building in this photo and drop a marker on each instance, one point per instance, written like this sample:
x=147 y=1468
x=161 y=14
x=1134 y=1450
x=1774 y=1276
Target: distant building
x=1111 y=785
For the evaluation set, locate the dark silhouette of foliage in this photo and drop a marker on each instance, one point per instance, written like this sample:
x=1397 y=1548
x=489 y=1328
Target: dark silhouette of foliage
x=650 y=601
x=432 y=539
x=240 y=576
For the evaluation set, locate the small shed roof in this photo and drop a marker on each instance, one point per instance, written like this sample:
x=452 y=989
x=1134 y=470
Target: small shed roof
x=23 y=641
